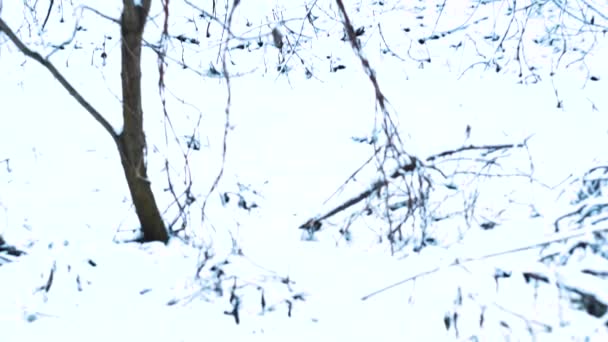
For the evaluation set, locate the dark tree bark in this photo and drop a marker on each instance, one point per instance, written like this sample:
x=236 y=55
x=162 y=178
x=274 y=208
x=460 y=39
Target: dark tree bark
x=132 y=141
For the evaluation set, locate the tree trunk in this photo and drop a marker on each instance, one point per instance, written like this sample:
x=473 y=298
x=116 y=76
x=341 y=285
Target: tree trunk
x=132 y=141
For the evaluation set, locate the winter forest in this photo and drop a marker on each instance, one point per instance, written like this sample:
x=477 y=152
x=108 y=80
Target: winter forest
x=308 y=170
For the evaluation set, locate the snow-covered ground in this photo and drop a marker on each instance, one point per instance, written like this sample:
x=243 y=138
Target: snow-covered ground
x=64 y=201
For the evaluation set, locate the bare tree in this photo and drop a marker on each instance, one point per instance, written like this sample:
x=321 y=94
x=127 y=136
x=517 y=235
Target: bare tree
x=131 y=142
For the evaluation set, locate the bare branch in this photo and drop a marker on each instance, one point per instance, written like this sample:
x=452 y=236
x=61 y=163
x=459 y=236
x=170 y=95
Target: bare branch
x=48 y=14
x=551 y=239
x=314 y=224
x=489 y=148
x=235 y=4
x=225 y=26
x=105 y=16
x=51 y=68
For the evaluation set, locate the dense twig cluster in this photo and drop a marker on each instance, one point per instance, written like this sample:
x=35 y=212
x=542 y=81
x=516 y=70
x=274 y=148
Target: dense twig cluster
x=406 y=193
x=401 y=195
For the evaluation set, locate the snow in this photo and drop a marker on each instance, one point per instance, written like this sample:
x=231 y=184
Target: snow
x=290 y=145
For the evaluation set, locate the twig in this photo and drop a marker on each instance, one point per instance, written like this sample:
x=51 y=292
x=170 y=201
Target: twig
x=105 y=16
x=48 y=14
x=353 y=175
x=458 y=262
x=51 y=68
x=490 y=148
x=235 y=4
x=314 y=224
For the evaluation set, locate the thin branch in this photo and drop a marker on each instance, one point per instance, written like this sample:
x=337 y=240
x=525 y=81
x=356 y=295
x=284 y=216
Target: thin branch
x=59 y=77
x=105 y=16
x=489 y=148
x=459 y=262
x=315 y=224
x=235 y=4
x=353 y=175
x=225 y=25
x=48 y=14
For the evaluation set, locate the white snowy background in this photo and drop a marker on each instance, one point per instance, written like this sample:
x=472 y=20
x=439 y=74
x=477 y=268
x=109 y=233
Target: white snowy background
x=64 y=201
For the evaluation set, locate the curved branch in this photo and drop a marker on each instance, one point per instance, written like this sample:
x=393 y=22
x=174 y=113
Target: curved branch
x=59 y=77
x=48 y=14
x=105 y=16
